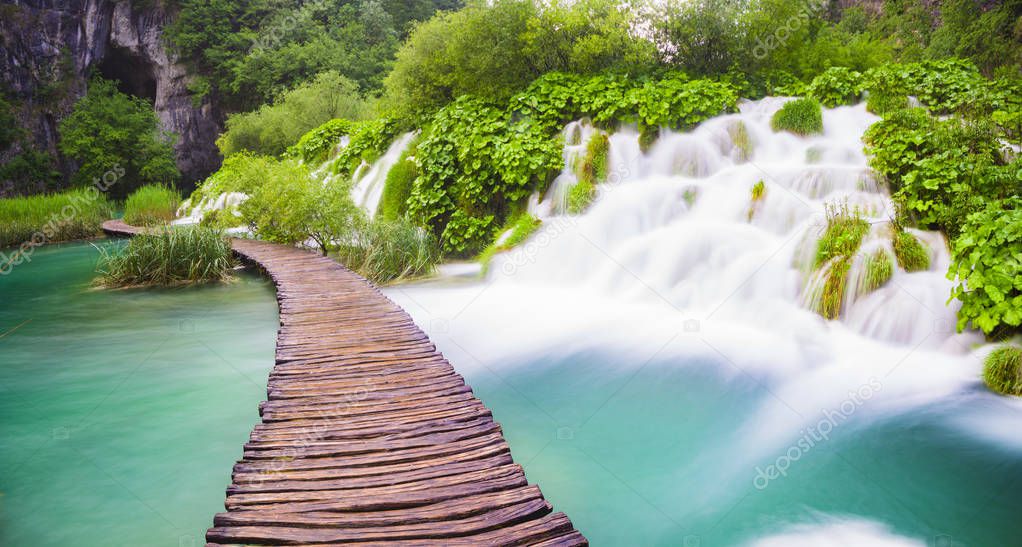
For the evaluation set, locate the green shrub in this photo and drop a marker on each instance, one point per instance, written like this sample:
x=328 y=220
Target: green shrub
x=108 y=130
x=290 y=207
x=385 y=251
x=466 y=236
x=837 y=86
x=845 y=232
x=398 y=186
x=368 y=140
x=74 y=214
x=801 y=116
x=987 y=270
x=315 y=146
x=150 y=205
x=1002 y=370
x=911 y=254
x=168 y=256
x=883 y=104
x=273 y=127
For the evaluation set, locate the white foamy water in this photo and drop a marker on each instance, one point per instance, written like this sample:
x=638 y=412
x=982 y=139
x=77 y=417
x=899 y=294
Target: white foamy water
x=369 y=179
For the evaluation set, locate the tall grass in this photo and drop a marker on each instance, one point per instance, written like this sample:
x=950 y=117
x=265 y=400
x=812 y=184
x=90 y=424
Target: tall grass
x=386 y=251
x=802 y=116
x=151 y=205
x=74 y=214
x=168 y=256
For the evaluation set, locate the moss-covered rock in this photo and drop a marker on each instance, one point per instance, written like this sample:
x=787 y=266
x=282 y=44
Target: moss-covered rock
x=1002 y=370
x=802 y=116
x=911 y=254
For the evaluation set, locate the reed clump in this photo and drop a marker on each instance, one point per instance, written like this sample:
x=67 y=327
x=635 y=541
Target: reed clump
x=151 y=205
x=168 y=256
x=49 y=218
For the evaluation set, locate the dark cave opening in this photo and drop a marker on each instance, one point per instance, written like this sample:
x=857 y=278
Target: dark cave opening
x=132 y=74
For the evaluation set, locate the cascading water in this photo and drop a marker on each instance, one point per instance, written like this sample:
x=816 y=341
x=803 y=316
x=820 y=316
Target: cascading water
x=683 y=288
x=370 y=179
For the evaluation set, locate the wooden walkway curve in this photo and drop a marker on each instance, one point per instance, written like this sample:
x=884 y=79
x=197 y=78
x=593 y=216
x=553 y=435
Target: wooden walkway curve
x=368 y=435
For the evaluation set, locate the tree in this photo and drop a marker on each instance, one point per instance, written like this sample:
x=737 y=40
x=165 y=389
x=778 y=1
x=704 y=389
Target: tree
x=108 y=129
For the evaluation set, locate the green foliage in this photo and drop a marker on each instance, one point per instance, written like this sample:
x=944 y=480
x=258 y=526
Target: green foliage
x=801 y=116
x=740 y=138
x=242 y=173
x=168 y=256
x=1002 y=370
x=398 y=186
x=648 y=136
x=475 y=160
x=368 y=140
x=272 y=128
x=758 y=190
x=246 y=53
x=987 y=268
x=593 y=169
x=581 y=196
x=385 y=251
x=109 y=130
x=829 y=305
x=878 y=270
x=513 y=233
x=315 y=146
x=912 y=255
x=844 y=233
x=989 y=33
x=883 y=104
x=290 y=207
x=73 y=214
x=28 y=172
x=465 y=236
x=151 y=205
x=837 y=86
x=492 y=50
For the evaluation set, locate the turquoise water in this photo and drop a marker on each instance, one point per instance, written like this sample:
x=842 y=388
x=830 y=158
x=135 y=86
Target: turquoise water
x=122 y=412
x=665 y=450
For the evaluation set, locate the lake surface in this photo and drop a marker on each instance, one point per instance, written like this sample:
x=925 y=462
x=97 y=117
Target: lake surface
x=122 y=412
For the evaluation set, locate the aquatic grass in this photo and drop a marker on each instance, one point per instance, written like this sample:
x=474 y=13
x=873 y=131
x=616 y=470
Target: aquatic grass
x=912 y=255
x=168 y=256
x=758 y=193
x=594 y=165
x=518 y=229
x=802 y=116
x=151 y=205
x=385 y=251
x=740 y=138
x=581 y=196
x=834 y=288
x=1002 y=370
x=878 y=270
x=73 y=214
x=845 y=232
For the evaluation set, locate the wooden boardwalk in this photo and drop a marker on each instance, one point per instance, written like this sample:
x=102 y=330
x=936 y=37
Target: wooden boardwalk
x=368 y=435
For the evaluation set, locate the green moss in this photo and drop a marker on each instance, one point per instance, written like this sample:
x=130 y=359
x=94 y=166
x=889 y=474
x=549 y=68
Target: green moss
x=801 y=116
x=521 y=227
x=594 y=165
x=882 y=104
x=740 y=137
x=911 y=254
x=834 y=288
x=581 y=196
x=844 y=233
x=879 y=270
x=648 y=135
x=398 y=186
x=758 y=193
x=1002 y=370
x=690 y=195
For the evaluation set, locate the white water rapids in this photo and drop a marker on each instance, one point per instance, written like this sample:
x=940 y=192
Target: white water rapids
x=675 y=261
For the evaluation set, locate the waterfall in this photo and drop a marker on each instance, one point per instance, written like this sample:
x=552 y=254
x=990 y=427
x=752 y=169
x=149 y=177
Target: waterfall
x=369 y=180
